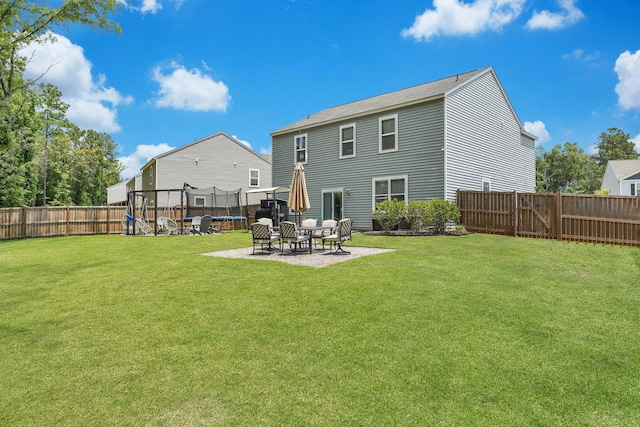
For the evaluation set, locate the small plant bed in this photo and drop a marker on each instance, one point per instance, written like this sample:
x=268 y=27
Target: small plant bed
x=458 y=230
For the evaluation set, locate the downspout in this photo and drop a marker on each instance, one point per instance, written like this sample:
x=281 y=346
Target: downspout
x=444 y=149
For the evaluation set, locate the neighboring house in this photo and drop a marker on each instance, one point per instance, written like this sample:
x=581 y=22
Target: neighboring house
x=419 y=143
x=622 y=177
x=117 y=193
x=217 y=160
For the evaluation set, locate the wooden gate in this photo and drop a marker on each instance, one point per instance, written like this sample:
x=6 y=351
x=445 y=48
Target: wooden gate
x=574 y=217
x=537 y=215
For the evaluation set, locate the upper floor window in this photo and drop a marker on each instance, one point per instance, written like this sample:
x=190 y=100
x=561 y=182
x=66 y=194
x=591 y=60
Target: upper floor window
x=254 y=177
x=301 y=148
x=389 y=188
x=348 y=141
x=388 y=133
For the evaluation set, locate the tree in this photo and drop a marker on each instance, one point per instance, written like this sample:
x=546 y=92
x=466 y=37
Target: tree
x=18 y=127
x=52 y=111
x=567 y=169
x=614 y=145
x=23 y=22
x=94 y=166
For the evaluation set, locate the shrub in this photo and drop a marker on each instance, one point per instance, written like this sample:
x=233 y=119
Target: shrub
x=389 y=213
x=417 y=214
x=440 y=212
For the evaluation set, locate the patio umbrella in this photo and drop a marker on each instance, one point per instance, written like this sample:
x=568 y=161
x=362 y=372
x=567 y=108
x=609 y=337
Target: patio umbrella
x=298 y=196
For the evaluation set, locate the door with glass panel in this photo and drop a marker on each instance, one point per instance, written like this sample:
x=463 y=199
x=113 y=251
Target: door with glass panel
x=332 y=204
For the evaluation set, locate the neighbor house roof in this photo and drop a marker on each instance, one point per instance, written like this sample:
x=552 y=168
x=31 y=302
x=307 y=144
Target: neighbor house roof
x=624 y=168
x=224 y=134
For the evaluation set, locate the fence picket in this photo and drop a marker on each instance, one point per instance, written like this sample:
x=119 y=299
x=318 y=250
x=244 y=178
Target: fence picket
x=572 y=217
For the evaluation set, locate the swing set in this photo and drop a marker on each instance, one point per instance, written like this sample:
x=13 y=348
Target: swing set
x=136 y=220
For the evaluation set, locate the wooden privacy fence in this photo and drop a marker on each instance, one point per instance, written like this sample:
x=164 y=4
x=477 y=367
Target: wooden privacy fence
x=20 y=223
x=574 y=217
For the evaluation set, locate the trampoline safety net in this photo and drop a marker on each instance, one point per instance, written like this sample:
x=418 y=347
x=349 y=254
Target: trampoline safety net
x=222 y=205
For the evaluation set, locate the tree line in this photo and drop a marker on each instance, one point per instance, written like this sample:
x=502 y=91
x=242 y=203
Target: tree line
x=568 y=169
x=45 y=159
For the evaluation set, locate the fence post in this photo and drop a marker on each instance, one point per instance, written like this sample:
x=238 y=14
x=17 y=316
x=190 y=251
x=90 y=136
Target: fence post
x=66 y=231
x=558 y=215
x=515 y=214
x=24 y=222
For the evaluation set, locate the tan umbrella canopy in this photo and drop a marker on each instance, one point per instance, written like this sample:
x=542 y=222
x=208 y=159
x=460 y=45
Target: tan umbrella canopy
x=298 y=196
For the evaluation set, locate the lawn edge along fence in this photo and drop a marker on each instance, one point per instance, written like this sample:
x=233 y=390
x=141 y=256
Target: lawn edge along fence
x=573 y=217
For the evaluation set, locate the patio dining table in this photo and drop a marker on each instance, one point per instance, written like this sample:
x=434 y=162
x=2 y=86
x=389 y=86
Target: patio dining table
x=310 y=229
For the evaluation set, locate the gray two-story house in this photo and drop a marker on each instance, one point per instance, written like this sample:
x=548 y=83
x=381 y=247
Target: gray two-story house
x=420 y=143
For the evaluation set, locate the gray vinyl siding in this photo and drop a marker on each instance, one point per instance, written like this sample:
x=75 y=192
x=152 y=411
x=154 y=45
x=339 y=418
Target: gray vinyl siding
x=222 y=163
x=485 y=141
x=610 y=181
x=420 y=156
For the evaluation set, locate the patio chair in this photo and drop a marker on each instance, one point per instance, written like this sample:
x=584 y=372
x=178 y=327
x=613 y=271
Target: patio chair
x=205 y=225
x=201 y=225
x=195 y=224
x=309 y=222
x=342 y=234
x=328 y=228
x=167 y=225
x=290 y=234
x=269 y=222
x=262 y=235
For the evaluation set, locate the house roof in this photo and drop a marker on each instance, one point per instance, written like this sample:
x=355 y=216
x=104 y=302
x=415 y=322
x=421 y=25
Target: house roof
x=624 y=168
x=224 y=134
x=413 y=95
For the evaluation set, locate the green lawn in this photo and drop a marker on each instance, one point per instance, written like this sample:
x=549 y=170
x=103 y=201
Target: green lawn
x=475 y=330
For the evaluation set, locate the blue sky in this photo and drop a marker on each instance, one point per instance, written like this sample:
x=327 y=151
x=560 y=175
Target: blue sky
x=184 y=69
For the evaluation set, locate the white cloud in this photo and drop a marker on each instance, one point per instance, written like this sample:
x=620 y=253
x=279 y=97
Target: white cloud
x=636 y=141
x=580 y=55
x=628 y=87
x=92 y=105
x=140 y=157
x=151 y=6
x=190 y=90
x=454 y=17
x=539 y=129
x=247 y=143
x=547 y=20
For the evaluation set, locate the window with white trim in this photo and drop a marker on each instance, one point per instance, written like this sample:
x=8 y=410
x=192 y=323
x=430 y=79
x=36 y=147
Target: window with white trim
x=300 y=142
x=348 y=141
x=388 y=133
x=199 y=201
x=389 y=188
x=486 y=185
x=634 y=188
x=254 y=177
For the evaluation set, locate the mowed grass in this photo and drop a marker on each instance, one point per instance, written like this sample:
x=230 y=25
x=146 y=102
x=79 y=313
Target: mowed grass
x=475 y=330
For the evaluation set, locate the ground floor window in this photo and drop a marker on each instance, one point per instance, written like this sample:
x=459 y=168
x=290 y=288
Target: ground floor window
x=332 y=204
x=486 y=185
x=389 y=188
